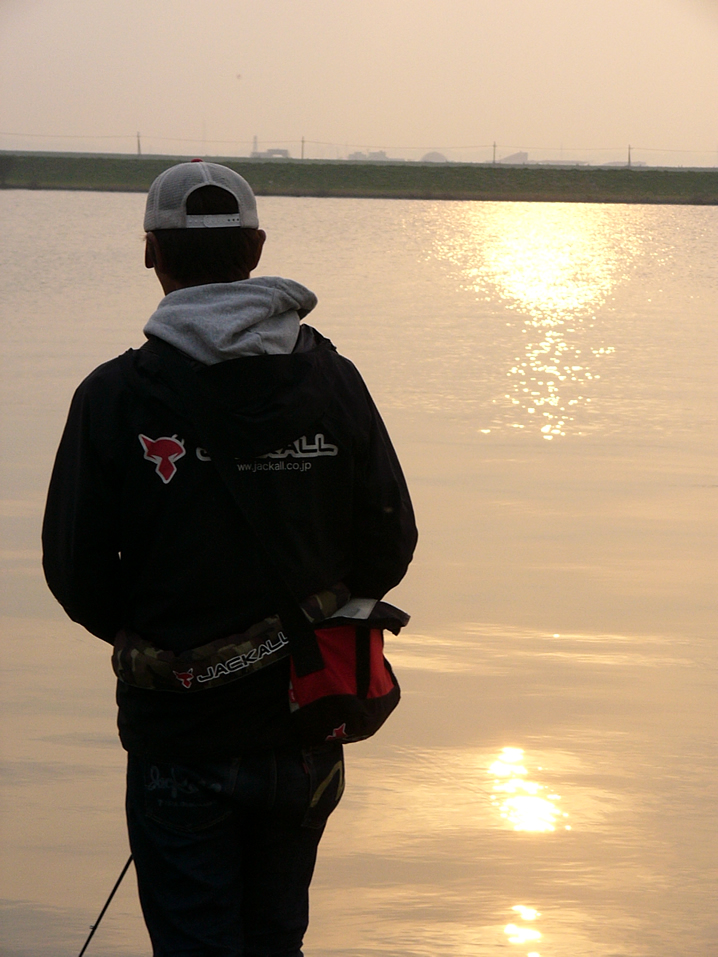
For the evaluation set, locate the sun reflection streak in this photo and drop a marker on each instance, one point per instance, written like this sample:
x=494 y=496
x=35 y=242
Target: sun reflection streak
x=555 y=264
x=520 y=801
x=520 y=935
x=524 y=935
x=526 y=913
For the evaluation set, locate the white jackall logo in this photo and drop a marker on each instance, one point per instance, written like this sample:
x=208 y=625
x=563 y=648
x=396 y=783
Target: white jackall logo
x=302 y=448
x=240 y=662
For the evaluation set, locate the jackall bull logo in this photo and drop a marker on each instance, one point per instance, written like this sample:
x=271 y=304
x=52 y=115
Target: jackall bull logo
x=185 y=677
x=164 y=452
x=338 y=734
x=238 y=663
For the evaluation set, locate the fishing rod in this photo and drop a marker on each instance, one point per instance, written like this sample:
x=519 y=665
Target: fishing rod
x=94 y=926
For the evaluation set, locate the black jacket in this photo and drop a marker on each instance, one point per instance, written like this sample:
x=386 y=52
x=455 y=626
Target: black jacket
x=140 y=531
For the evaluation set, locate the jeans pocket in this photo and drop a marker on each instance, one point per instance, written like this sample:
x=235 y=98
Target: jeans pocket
x=183 y=798
x=325 y=766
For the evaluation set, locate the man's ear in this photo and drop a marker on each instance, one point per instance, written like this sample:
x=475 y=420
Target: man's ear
x=155 y=260
x=151 y=251
x=261 y=237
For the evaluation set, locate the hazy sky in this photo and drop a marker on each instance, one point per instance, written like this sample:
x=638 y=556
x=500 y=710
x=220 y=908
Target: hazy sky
x=205 y=76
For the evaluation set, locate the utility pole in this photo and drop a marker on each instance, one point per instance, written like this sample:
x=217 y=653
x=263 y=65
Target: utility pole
x=139 y=146
x=494 y=154
x=629 y=155
x=302 y=147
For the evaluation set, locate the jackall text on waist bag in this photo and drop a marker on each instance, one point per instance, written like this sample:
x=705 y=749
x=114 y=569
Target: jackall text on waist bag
x=141 y=664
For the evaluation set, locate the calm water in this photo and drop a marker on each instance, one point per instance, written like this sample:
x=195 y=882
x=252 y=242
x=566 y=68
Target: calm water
x=547 y=372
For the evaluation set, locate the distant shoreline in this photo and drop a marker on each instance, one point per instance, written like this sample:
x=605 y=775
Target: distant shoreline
x=384 y=180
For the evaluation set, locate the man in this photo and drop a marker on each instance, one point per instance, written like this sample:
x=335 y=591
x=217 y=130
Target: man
x=145 y=545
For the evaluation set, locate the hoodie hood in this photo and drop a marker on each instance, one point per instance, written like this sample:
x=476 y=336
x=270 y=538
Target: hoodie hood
x=262 y=402
x=230 y=320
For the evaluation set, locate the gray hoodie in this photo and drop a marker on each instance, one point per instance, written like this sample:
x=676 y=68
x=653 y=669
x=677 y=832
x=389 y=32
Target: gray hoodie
x=226 y=320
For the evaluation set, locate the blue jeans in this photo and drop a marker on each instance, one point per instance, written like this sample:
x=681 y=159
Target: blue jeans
x=224 y=852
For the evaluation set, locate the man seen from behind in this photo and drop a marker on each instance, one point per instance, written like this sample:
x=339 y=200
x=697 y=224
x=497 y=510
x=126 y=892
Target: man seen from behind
x=146 y=547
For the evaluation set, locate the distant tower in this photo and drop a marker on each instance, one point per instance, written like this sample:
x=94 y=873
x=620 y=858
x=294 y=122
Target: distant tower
x=254 y=144
x=629 y=155
x=139 y=147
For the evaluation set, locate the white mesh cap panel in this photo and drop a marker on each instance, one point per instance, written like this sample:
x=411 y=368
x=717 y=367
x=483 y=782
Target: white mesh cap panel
x=166 y=200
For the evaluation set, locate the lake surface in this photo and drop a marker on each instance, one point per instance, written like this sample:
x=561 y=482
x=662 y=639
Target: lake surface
x=547 y=372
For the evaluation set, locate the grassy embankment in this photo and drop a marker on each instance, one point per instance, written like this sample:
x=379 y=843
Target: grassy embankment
x=379 y=180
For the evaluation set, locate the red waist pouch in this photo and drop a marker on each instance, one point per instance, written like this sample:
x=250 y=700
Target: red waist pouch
x=352 y=695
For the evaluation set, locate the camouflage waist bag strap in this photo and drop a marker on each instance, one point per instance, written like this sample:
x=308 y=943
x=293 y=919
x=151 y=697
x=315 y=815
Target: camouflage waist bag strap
x=141 y=664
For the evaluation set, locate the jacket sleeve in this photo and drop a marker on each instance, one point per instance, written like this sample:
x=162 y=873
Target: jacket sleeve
x=80 y=533
x=385 y=530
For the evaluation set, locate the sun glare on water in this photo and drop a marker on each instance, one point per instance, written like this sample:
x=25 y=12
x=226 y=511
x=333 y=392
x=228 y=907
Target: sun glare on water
x=556 y=266
x=524 y=935
x=521 y=802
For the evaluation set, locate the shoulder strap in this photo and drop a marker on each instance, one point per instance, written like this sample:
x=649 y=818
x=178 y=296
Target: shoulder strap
x=200 y=406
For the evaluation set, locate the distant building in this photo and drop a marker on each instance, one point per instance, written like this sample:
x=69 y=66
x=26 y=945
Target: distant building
x=375 y=156
x=515 y=158
x=434 y=157
x=270 y=154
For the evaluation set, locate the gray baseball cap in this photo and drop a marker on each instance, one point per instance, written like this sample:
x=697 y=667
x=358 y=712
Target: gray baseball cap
x=167 y=199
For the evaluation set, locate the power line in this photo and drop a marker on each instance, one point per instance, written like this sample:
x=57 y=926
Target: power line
x=363 y=145
x=71 y=136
